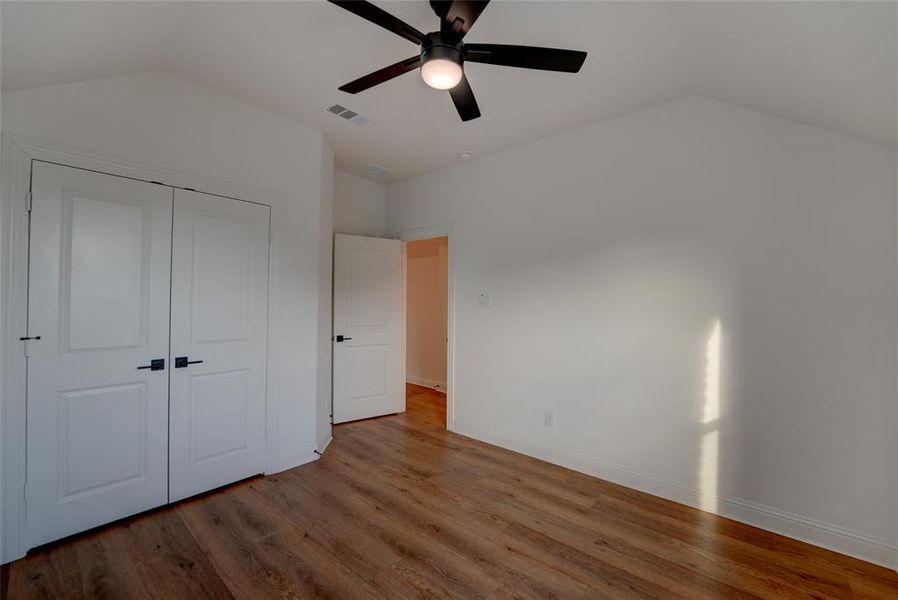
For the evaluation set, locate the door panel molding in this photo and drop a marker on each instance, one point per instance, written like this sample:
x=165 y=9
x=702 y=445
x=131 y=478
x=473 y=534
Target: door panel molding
x=199 y=450
x=18 y=153
x=214 y=276
x=74 y=201
x=68 y=490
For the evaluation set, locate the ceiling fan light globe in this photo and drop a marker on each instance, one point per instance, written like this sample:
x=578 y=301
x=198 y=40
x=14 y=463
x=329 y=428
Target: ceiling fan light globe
x=441 y=73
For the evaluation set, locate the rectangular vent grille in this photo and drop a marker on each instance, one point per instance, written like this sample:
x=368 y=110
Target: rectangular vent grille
x=378 y=170
x=349 y=115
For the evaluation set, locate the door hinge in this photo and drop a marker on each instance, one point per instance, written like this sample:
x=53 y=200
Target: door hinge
x=30 y=198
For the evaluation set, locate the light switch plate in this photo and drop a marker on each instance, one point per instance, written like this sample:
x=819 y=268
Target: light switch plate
x=485 y=300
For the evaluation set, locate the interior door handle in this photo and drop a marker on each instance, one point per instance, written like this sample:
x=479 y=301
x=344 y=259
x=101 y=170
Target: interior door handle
x=182 y=361
x=341 y=338
x=156 y=364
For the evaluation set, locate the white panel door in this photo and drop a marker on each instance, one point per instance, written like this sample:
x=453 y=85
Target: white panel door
x=218 y=342
x=99 y=300
x=368 y=378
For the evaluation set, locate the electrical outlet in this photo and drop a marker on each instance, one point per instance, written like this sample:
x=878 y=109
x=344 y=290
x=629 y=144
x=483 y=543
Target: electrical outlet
x=549 y=419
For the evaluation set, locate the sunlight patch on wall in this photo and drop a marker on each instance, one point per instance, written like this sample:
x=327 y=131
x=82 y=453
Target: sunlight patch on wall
x=712 y=376
x=709 y=459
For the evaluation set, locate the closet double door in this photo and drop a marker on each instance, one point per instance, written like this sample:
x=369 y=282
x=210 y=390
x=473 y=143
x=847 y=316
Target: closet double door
x=147 y=382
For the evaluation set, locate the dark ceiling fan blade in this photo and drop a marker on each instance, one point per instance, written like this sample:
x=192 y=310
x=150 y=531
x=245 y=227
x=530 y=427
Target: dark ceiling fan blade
x=441 y=7
x=378 y=16
x=387 y=73
x=458 y=16
x=464 y=100
x=526 y=57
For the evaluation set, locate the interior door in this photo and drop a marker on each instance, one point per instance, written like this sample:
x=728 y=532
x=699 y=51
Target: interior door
x=218 y=342
x=99 y=300
x=368 y=377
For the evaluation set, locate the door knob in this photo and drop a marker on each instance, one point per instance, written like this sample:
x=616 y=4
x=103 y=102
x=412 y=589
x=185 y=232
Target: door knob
x=156 y=364
x=341 y=338
x=182 y=361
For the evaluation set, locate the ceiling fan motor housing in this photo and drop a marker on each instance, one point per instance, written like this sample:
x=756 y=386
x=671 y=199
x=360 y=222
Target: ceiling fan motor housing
x=434 y=47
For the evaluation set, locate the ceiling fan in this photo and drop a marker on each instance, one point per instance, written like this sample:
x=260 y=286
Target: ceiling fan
x=443 y=53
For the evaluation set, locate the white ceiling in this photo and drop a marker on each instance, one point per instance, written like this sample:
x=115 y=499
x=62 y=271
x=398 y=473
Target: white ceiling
x=830 y=64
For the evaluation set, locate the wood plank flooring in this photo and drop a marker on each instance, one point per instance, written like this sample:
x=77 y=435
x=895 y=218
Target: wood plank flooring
x=399 y=508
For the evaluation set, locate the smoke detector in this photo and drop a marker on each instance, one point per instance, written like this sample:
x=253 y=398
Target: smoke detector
x=465 y=155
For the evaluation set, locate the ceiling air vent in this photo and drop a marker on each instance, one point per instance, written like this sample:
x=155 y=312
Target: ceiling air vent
x=349 y=115
x=378 y=170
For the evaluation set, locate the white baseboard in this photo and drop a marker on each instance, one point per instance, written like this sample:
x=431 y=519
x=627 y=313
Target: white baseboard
x=439 y=386
x=324 y=446
x=832 y=537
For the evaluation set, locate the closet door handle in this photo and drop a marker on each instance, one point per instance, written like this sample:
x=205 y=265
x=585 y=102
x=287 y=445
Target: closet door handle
x=157 y=364
x=182 y=361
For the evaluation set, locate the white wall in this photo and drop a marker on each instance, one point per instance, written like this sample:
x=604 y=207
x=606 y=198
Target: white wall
x=157 y=120
x=425 y=309
x=360 y=206
x=611 y=254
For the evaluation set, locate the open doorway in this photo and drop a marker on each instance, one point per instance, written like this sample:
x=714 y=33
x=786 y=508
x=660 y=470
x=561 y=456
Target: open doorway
x=426 y=329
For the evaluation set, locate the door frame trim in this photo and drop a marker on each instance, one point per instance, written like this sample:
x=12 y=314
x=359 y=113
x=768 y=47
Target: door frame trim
x=16 y=156
x=422 y=233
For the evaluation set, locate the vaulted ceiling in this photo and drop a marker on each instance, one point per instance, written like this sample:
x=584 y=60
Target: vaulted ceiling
x=830 y=64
